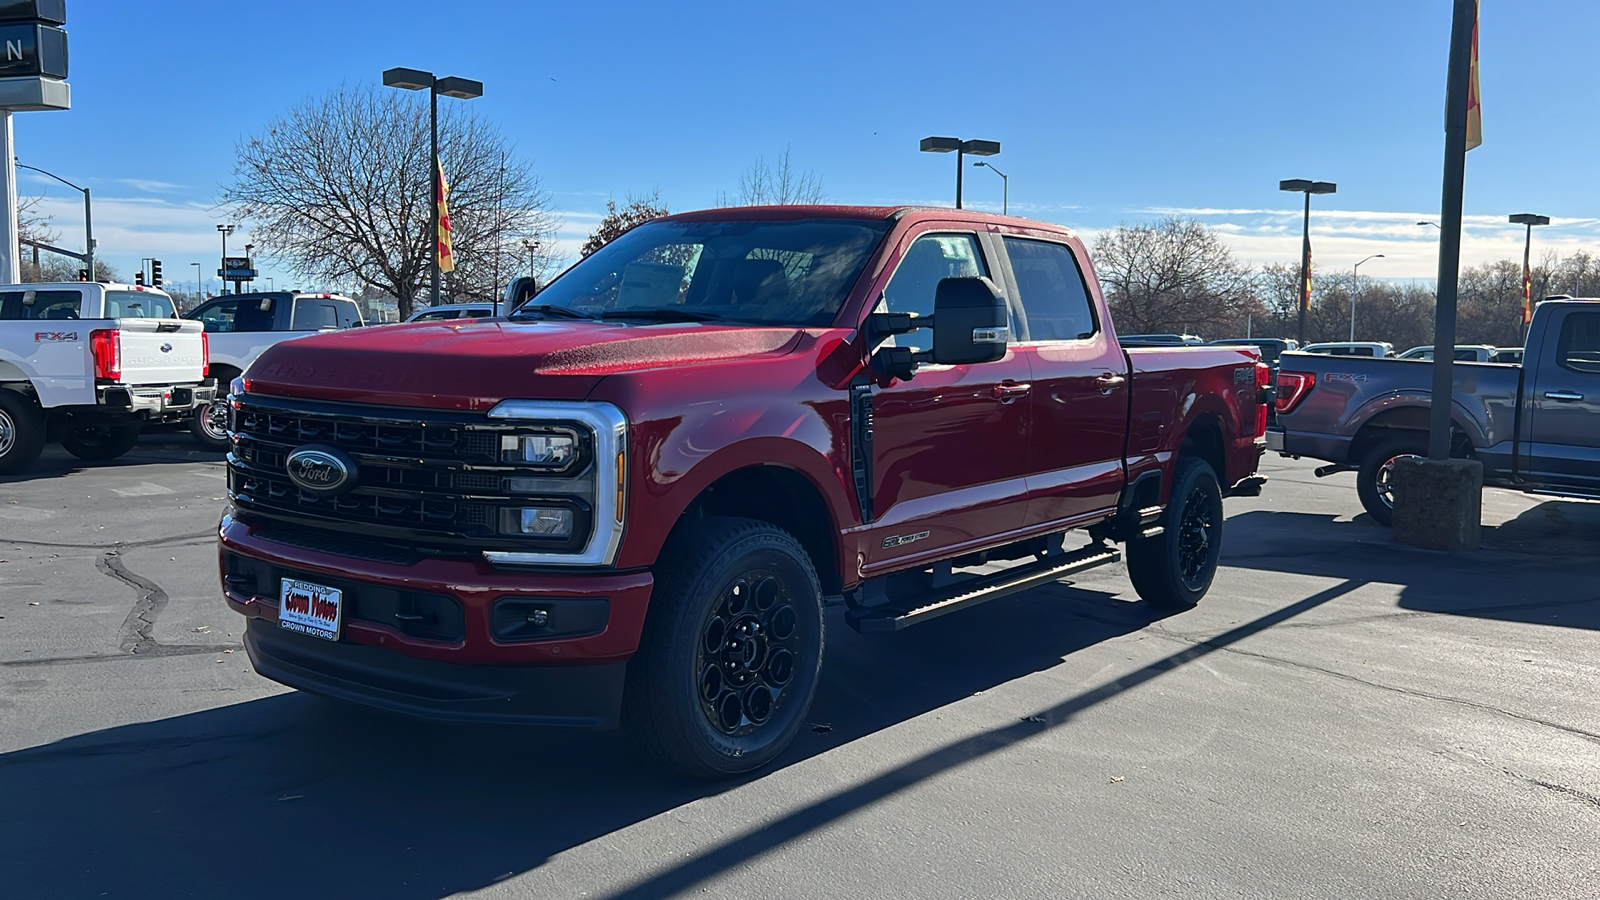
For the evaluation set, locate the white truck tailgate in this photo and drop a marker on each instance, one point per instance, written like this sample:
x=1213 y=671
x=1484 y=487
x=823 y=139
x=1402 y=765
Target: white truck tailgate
x=160 y=351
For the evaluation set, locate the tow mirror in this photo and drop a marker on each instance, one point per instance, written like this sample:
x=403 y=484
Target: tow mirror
x=519 y=291
x=29 y=298
x=970 y=325
x=970 y=322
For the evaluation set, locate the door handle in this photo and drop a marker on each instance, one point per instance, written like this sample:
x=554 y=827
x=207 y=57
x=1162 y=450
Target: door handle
x=1109 y=382
x=1006 y=391
x=1563 y=396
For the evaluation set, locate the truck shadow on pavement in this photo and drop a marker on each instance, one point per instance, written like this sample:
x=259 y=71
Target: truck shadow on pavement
x=1541 y=568
x=327 y=800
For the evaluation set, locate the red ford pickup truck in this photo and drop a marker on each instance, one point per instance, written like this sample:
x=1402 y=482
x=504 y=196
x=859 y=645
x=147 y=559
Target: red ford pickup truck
x=630 y=500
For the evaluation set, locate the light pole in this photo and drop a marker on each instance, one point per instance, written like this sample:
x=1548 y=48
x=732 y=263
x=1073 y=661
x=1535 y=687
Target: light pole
x=461 y=89
x=270 y=283
x=1355 y=285
x=225 y=230
x=199 y=285
x=1434 y=224
x=1530 y=220
x=1307 y=187
x=1005 y=187
x=88 y=216
x=961 y=148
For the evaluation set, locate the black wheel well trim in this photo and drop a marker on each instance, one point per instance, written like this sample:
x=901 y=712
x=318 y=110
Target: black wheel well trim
x=784 y=498
x=1405 y=420
x=1203 y=439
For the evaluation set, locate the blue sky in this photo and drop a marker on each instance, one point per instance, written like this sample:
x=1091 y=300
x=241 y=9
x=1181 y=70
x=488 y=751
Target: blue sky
x=1107 y=111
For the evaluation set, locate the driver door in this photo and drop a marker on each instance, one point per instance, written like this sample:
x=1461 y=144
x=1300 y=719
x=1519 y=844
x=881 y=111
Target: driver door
x=949 y=447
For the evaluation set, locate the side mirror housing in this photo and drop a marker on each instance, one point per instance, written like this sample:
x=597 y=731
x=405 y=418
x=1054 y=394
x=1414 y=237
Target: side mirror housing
x=970 y=322
x=519 y=291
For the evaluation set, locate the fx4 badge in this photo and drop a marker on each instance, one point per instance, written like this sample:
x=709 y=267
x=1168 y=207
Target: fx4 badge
x=1352 y=377
x=40 y=337
x=900 y=540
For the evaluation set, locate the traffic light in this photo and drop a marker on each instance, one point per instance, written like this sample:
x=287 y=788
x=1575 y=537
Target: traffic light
x=138 y=278
x=155 y=273
x=83 y=274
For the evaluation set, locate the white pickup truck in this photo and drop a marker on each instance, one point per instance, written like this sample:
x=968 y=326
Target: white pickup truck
x=88 y=364
x=241 y=326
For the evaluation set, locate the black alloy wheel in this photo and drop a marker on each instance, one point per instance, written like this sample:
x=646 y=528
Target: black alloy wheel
x=1174 y=569
x=731 y=651
x=1375 y=478
x=102 y=442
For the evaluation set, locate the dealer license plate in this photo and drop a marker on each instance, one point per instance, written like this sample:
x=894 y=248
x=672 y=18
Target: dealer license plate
x=314 y=609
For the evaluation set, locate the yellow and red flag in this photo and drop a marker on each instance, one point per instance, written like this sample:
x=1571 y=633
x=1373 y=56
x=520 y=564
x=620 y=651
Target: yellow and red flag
x=1305 y=289
x=447 y=254
x=1527 y=293
x=1474 y=109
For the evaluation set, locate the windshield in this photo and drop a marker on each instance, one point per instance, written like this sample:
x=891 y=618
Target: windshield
x=794 y=273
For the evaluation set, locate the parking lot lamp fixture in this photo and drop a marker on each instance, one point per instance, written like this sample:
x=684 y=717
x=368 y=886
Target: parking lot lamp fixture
x=452 y=86
x=88 y=216
x=1005 y=186
x=1307 y=187
x=962 y=149
x=1355 y=286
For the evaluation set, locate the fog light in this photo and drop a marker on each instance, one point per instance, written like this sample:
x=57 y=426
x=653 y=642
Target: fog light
x=555 y=450
x=546 y=522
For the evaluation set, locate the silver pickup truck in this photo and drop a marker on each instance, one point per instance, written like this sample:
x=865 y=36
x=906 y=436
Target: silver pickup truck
x=1535 y=427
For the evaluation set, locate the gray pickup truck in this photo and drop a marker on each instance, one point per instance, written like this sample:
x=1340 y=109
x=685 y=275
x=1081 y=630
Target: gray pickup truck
x=1535 y=427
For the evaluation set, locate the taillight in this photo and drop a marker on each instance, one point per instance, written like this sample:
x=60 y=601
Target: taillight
x=205 y=355
x=106 y=346
x=1293 y=388
x=1263 y=396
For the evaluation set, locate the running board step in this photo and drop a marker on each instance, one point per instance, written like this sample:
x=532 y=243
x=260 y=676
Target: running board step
x=877 y=619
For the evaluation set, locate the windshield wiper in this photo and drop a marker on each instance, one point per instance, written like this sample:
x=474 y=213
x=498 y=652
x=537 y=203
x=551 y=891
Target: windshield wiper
x=661 y=314
x=550 y=310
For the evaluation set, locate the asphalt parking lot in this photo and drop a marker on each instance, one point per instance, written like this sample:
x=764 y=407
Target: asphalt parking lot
x=1342 y=717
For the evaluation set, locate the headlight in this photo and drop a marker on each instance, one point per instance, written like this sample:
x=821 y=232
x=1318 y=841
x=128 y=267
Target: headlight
x=555 y=451
x=538 y=521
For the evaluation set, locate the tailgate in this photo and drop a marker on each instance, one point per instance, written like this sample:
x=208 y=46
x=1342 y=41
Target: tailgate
x=160 y=351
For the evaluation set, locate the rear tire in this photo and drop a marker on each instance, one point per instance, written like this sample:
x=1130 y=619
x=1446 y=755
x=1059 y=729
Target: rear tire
x=1173 y=569
x=209 y=425
x=1373 y=479
x=102 y=442
x=731 y=651
x=21 y=432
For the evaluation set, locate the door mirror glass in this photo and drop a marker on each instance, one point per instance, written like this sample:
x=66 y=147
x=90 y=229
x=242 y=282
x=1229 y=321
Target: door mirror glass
x=970 y=322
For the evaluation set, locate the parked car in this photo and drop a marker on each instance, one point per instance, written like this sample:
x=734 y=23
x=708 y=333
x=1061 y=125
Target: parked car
x=1464 y=353
x=453 y=311
x=242 y=325
x=1535 y=429
x=1271 y=348
x=1377 y=349
x=629 y=500
x=88 y=363
x=1188 y=340
x=1512 y=355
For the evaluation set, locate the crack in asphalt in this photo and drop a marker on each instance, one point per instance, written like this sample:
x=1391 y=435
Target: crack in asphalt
x=137 y=633
x=1590 y=736
x=1574 y=793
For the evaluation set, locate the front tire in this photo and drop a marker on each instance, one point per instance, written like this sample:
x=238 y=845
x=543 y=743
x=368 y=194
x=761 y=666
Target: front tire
x=1374 y=480
x=21 y=432
x=209 y=425
x=102 y=442
x=731 y=652
x=1173 y=569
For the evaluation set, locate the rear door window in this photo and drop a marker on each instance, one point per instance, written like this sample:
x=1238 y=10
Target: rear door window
x=1055 y=300
x=217 y=316
x=54 y=305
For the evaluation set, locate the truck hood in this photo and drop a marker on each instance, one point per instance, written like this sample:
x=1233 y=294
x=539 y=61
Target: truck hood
x=472 y=365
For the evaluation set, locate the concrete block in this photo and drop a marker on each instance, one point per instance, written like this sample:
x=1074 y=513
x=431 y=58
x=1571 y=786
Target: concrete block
x=1438 y=504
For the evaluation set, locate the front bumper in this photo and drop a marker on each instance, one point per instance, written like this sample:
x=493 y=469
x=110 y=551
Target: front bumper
x=459 y=659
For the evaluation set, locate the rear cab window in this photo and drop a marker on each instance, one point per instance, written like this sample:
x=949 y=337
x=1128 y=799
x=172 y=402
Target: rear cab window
x=1051 y=289
x=138 y=305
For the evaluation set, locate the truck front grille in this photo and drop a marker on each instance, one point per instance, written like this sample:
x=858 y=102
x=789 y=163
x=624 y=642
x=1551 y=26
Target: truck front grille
x=423 y=476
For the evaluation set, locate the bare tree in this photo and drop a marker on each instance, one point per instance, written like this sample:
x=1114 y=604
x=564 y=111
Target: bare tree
x=780 y=185
x=1174 y=275
x=337 y=190
x=618 y=220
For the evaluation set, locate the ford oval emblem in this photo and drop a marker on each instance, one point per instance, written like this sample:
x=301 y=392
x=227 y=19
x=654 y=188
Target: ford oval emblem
x=166 y=348
x=321 y=470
